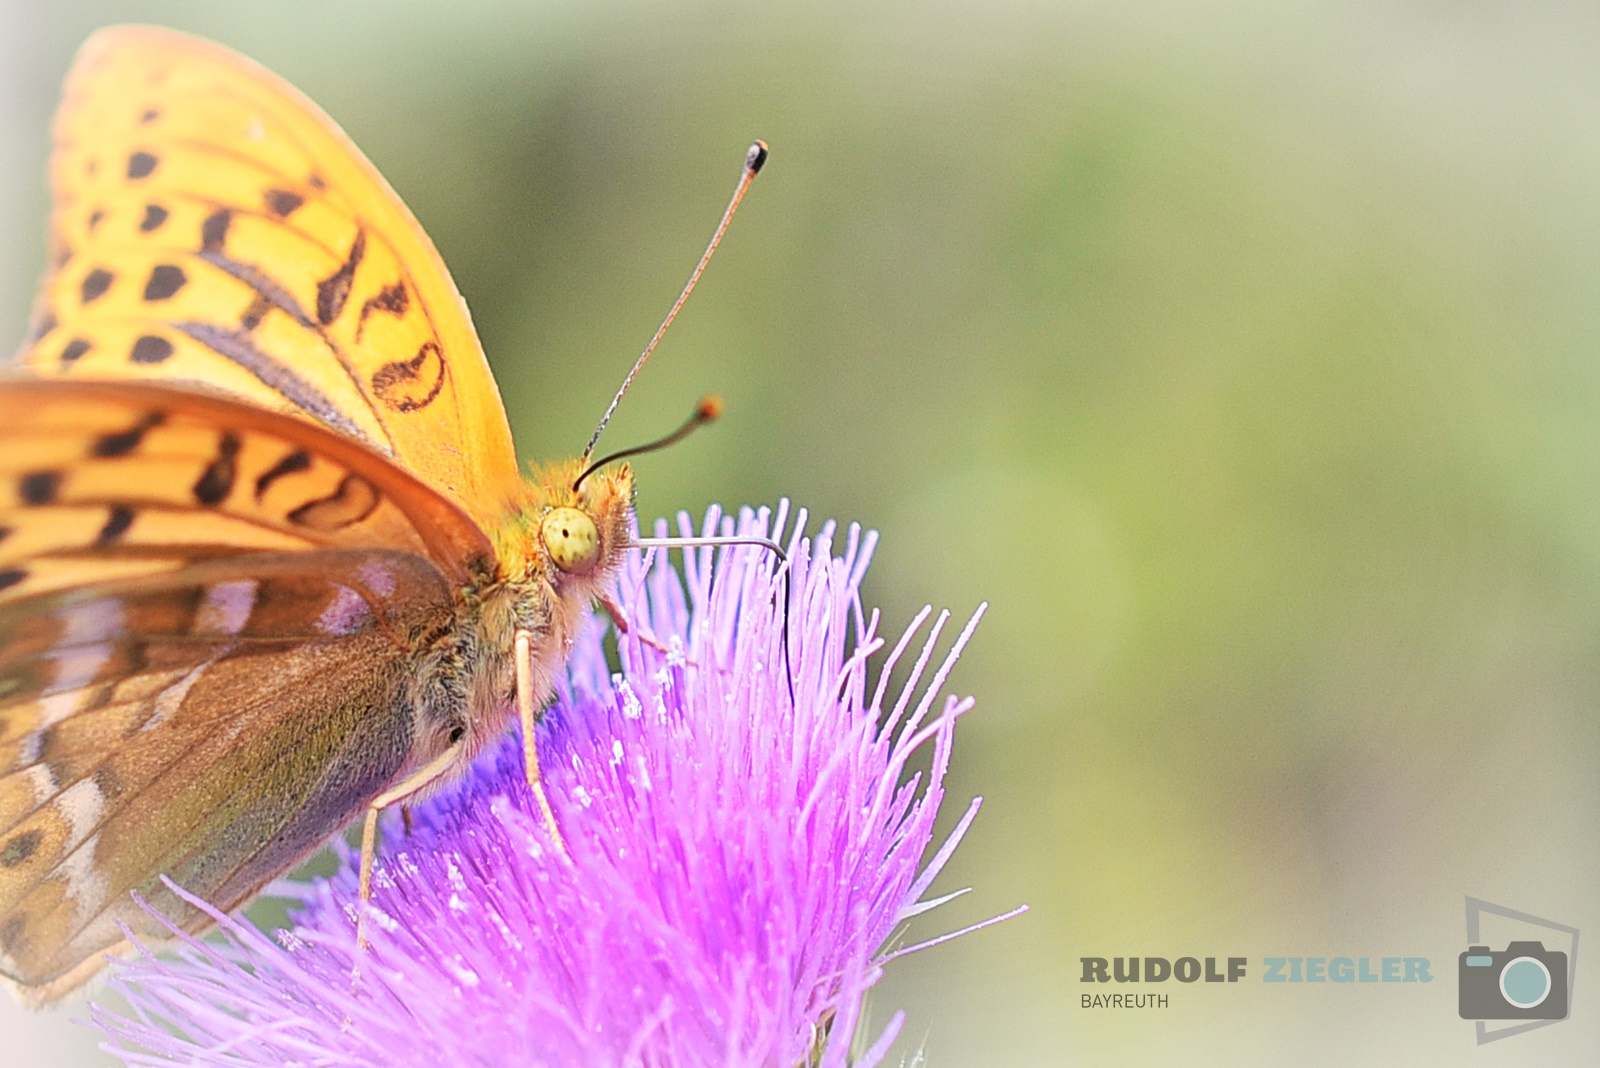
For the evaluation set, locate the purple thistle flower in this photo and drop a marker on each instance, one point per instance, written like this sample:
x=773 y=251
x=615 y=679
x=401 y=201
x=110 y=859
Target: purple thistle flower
x=738 y=862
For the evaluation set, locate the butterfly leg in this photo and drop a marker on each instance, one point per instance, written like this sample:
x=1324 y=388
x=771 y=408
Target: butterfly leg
x=425 y=775
x=530 y=749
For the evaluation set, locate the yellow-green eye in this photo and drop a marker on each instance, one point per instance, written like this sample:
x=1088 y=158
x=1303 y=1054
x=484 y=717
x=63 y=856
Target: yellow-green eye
x=572 y=540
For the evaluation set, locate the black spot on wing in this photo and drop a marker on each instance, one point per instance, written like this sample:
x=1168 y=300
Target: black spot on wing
x=150 y=348
x=334 y=290
x=19 y=848
x=74 y=350
x=95 y=284
x=298 y=460
x=283 y=202
x=391 y=299
x=10 y=576
x=352 y=502
x=165 y=281
x=116 y=525
x=123 y=442
x=154 y=216
x=214 y=231
x=94 y=219
x=39 y=487
x=216 y=482
x=148 y=116
x=252 y=316
x=407 y=385
x=142 y=164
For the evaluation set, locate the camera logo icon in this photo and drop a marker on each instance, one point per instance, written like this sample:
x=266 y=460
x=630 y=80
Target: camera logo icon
x=1524 y=981
x=1524 y=984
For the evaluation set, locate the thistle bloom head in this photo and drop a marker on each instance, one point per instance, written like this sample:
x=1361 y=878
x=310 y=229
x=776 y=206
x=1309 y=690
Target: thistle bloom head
x=739 y=859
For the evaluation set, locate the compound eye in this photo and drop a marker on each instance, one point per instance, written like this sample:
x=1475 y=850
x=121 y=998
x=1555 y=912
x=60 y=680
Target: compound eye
x=572 y=540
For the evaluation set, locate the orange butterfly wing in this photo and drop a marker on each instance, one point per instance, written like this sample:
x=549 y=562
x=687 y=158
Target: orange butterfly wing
x=190 y=589
x=213 y=226
x=103 y=481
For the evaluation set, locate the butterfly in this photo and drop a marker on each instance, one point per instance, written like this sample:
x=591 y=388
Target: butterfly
x=267 y=561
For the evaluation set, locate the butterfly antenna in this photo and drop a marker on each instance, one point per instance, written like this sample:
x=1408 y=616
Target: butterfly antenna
x=752 y=165
x=709 y=408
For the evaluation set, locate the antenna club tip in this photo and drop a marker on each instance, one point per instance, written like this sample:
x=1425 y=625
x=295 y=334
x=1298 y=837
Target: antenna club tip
x=710 y=408
x=757 y=156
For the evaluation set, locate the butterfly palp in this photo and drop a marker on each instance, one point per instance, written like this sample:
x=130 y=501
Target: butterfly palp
x=572 y=540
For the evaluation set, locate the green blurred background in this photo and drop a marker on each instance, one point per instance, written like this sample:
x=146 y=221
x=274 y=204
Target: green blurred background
x=1243 y=356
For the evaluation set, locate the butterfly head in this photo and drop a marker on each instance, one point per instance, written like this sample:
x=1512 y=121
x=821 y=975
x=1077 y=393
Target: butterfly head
x=575 y=538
